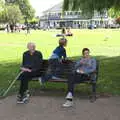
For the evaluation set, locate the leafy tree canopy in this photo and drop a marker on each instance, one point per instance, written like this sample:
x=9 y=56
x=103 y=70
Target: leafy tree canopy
x=25 y=7
x=91 y=5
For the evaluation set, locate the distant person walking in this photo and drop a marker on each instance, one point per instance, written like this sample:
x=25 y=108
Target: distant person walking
x=12 y=28
x=7 y=28
x=28 y=29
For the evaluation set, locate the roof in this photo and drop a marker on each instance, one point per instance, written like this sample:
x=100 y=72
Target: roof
x=55 y=8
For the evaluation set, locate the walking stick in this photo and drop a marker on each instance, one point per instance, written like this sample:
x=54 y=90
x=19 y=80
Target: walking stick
x=10 y=86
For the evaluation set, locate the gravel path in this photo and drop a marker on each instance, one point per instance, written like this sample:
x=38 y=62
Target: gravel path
x=49 y=108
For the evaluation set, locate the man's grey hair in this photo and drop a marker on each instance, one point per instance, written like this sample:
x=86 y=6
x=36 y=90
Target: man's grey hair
x=31 y=43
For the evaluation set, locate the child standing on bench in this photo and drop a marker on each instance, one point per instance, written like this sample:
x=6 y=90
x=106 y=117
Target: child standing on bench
x=55 y=62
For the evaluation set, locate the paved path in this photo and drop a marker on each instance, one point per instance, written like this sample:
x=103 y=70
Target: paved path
x=49 y=108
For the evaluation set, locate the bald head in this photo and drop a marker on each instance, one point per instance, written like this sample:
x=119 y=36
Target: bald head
x=31 y=46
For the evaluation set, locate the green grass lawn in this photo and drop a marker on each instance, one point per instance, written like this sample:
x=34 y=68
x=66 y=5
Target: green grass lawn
x=104 y=45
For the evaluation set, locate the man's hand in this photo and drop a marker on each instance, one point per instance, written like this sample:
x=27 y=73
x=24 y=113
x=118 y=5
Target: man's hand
x=80 y=71
x=81 y=62
x=26 y=69
x=29 y=70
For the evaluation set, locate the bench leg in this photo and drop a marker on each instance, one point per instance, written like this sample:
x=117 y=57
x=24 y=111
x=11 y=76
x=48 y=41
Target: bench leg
x=93 y=96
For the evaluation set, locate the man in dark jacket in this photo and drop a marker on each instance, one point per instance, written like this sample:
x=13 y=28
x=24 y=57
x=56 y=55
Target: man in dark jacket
x=31 y=66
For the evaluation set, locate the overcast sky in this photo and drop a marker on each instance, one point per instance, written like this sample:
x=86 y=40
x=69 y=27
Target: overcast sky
x=42 y=5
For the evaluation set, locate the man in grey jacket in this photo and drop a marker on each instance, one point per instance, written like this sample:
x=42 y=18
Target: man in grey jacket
x=82 y=70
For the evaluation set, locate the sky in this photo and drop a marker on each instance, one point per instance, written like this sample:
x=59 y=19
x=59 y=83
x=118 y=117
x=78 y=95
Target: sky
x=42 y=5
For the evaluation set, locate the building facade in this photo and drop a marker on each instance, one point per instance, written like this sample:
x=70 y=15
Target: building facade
x=55 y=18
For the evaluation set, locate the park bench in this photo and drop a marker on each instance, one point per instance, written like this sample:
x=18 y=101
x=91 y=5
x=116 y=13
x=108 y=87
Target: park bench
x=68 y=67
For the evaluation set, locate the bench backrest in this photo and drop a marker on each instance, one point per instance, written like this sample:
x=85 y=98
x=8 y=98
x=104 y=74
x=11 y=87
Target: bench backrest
x=44 y=66
x=69 y=68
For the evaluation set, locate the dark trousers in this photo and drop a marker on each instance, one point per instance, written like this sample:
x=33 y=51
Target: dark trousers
x=75 y=78
x=55 y=67
x=24 y=79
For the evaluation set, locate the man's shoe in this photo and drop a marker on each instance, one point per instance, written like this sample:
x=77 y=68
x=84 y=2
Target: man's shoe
x=68 y=103
x=69 y=96
x=20 y=101
x=25 y=99
x=18 y=97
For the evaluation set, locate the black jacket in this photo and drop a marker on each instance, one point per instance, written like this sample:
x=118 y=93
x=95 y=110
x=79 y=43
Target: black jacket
x=34 y=61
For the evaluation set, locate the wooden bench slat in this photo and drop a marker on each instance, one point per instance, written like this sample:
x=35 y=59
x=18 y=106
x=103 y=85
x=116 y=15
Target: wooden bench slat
x=51 y=80
x=60 y=80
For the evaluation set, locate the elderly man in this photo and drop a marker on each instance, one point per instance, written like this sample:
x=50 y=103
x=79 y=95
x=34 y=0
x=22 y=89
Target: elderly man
x=31 y=66
x=83 y=69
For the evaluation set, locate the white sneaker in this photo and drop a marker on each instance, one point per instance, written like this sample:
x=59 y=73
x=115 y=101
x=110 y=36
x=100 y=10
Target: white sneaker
x=20 y=102
x=68 y=104
x=69 y=96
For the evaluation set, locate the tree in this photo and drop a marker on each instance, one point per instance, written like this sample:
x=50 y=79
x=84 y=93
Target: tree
x=118 y=20
x=2 y=8
x=12 y=14
x=113 y=13
x=34 y=20
x=91 y=5
x=86 y=6
x=25 y=7
x=1 y=4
